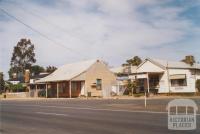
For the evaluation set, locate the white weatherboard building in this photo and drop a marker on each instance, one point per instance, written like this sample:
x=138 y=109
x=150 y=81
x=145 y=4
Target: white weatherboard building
x=165 y=76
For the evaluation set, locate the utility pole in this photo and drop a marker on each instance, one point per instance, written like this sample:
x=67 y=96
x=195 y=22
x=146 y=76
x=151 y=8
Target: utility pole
x=145 y=93
x=168 y=76
x=145 y=99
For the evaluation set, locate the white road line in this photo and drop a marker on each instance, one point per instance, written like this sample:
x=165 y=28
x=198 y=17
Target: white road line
x=95 y=109
x=52 y=114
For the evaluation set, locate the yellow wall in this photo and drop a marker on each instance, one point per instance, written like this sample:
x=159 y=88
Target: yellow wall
x=99 y=71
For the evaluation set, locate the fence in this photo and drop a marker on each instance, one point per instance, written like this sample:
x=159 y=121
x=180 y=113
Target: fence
x=17 y=95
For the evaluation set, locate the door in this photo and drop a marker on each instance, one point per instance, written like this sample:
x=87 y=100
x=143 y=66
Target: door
x=82 y=88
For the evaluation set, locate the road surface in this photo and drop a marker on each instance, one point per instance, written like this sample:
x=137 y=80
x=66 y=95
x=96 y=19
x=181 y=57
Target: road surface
x=76 y=116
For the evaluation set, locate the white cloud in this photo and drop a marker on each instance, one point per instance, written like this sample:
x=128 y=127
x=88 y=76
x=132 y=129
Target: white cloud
x=108 y=29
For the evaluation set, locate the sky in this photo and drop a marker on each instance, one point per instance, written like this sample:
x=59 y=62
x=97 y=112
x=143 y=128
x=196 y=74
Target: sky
x=65 y=31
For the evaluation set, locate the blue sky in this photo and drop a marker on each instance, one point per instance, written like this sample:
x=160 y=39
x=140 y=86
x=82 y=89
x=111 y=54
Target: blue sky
x=107 y=29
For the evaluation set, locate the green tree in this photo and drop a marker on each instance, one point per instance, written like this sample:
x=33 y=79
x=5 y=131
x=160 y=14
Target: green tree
x=36 y=69
x=13 y=70
x=2 y=82
x=16 y=87
x=132 y=86
x=189 y=59
x=198 y=85
x=23 y=56
x=51 y=69
x=135 y=61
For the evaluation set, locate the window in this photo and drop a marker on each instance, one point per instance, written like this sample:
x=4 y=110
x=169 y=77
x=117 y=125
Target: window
x=154 y=80
x=99 y=84
x=178 y=82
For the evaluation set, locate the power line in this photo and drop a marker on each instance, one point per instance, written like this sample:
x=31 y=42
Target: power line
x=40 y=33
x=33 y=13
x=43 y=19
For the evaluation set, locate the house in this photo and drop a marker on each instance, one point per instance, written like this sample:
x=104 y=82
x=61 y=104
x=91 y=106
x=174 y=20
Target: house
x=32 y=84
x=14 y=81
x=18 y=78
x=166 y=76
x=123 y=74
x=86 y=78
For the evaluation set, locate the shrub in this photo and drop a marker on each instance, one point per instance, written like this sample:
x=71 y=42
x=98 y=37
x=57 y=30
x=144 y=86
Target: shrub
x=16 y=87
x=198 y=85
x=42 y=93
x=131 y=87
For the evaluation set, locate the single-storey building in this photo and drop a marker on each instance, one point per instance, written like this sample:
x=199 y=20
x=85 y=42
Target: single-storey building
x=86 y=78
x=32 y=85
x=166 y=76
x=122 y=74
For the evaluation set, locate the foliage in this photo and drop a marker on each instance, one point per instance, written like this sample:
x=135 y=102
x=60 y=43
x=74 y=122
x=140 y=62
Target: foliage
x=2 y=82
x=132 y=86
x=23 y=56
x=198 y=85
x=13 y=70
x=189 y=60
x=36 y=69
x=42 y=93
x=51 y=69
x=16 y=87
x=135 y=61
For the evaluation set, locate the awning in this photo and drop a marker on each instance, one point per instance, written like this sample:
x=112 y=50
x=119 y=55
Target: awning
x=123 y=78
x=177 y=76
x=142 y=76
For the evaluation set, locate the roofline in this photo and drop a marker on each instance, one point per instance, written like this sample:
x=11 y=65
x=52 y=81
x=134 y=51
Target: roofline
x=152 y=61
x=74 y=76
x=163 y=67
x=85 y=70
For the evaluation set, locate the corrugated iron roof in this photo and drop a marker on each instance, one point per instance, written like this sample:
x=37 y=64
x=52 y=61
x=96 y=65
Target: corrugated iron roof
x=175 y=64
x=68 y=71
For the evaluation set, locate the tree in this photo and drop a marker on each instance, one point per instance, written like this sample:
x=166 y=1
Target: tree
x=23 y=56
x=131 y=86
x=36 y=69
x=2 y=82
x=189 y=59
x=198 y=85
x=51 y=69
x=135 y=61
x=16 y=87
x=13 y=70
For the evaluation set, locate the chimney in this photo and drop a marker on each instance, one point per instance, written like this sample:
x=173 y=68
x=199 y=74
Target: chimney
x=14 y=75
x=27 y=76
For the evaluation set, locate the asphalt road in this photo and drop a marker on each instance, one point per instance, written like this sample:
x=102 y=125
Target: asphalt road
x=75 y=116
